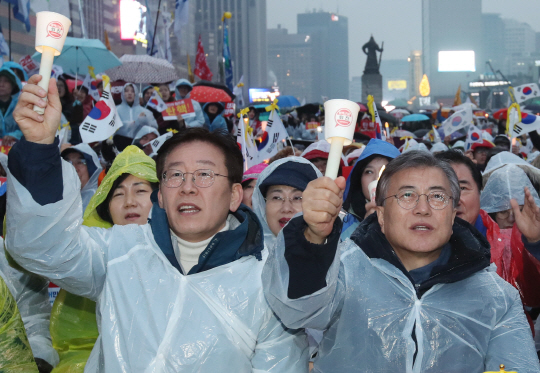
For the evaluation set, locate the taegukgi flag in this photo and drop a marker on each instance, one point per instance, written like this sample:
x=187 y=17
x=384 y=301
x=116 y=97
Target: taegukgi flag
x=525 y=92
x=156 y=102
x=103 y=120
x=457 y=121
x=273 y=134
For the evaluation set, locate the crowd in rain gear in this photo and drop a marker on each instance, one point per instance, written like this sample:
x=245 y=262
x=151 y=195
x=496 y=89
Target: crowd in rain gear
x=74 y=328
x=133 y=116
x=460 y=317
x=9 y=126
x=233 y=323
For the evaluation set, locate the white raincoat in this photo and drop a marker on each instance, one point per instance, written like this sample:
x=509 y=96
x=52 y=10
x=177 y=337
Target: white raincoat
x=151 y=317
x=91 y=186
x=131 y=115
x=370 y=310
x=31 y=293
x=259 y=204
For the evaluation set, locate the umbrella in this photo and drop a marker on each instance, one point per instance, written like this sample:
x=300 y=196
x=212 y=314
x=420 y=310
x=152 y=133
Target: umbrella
x=363 y=108
x=385 y=117
x=502 y=114
x=78 y=54
x=403 y=133
x=143 y=69
x=533 y=108
x=399 y=103
x=288 y=101
x=399 y=113
x=414 y=118
x=308 y=109
x=211 y=92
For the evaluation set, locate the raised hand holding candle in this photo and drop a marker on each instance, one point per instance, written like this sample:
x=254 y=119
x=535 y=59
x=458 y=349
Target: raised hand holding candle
x=339 y=124
x=51 y=31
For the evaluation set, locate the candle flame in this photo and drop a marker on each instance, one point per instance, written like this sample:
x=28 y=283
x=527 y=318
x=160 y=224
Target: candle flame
x=381 y=171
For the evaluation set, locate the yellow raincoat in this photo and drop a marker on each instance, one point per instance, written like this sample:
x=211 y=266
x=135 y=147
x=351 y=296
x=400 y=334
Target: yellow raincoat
x=73 y=319
x=15 y=352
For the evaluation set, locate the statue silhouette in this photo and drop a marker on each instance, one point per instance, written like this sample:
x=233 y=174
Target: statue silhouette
x=372 y=63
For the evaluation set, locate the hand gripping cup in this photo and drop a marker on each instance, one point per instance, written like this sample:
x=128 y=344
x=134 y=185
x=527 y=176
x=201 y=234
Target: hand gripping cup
x=51 y=32
x=339 y=124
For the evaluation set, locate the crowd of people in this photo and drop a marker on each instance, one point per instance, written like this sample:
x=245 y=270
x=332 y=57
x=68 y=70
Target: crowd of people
x=185 y=261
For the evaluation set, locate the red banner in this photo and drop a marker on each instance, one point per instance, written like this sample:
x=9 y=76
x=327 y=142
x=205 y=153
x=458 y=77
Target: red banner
x=182 y=107
x=312 y=125
x=230 y=108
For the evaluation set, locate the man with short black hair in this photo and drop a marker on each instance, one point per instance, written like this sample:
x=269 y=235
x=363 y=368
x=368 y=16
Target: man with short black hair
x=411 y=290
x=180 y=294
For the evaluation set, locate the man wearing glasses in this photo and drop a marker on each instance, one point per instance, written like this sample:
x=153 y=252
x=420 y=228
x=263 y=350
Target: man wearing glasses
x=412 y=290
x=180 y=294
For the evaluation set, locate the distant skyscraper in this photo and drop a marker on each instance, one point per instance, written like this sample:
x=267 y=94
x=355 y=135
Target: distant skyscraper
x=449 y=26
x=330 y=63
x=290 y=59
x=493 y=39
x=519 y=44
x=247 y=37
x=395 y=75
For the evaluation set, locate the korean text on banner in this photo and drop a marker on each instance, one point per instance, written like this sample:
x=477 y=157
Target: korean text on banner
x=182 y=107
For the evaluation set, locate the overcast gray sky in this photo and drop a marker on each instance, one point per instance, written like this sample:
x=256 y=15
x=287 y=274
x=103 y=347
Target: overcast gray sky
x=396 y=22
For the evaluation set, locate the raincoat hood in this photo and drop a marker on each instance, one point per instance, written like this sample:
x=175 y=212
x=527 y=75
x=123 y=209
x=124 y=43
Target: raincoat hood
x=320 y=149
x=353 y=195
x=180 y=82
x=259 y=204
x=220 y=106
x=14 y=79
x=131 y=161
x=506 y=158
x=504 y=184
x=15 y=65
x=136 y=100
x=438 y=147
x=94 y=169
x=145 y=130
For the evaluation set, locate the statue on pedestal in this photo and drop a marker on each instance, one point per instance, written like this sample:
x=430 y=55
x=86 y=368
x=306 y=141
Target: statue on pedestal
x=373 y=63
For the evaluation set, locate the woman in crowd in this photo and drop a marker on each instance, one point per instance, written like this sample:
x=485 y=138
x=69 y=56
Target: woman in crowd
x=122 y=198
x=278 y=193
x=133 y=116
x=356 y=199
x=249 y=180
x=65 y=98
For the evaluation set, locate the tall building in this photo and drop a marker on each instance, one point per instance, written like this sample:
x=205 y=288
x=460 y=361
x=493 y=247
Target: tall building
x=247 y=37
x=289 y=60
x=519 y=44
x=493 y=39
x=451 y=44
x=395 y=75
x=330 y=65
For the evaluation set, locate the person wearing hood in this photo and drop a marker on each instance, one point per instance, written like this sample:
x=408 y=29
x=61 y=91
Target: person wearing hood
x=507 y=243
x=183 y=292
x=10 y=88
x=412 y=290
x=317 y=153
x=147 y=93
x=213 y=116
x=249 y=180
x=356 y=199
x=278 y=193
x=144 y=137
x=17 y=69
x=182 y=90
x=133 y=116
x=86 y=163
x=122 y=198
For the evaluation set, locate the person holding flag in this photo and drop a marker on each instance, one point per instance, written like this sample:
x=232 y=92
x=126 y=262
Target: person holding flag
x=153 y=101
x=182 y=89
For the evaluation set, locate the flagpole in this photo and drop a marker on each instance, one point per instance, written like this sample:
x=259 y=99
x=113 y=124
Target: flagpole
x=155 y=28
x=9 y=21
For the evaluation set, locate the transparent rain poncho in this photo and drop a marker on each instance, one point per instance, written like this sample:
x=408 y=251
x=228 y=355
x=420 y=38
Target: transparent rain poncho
x=506 y=158
x=372 y=316
x=504 y=184
x=73 y=327
x=151 y=317
x=15 y=352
